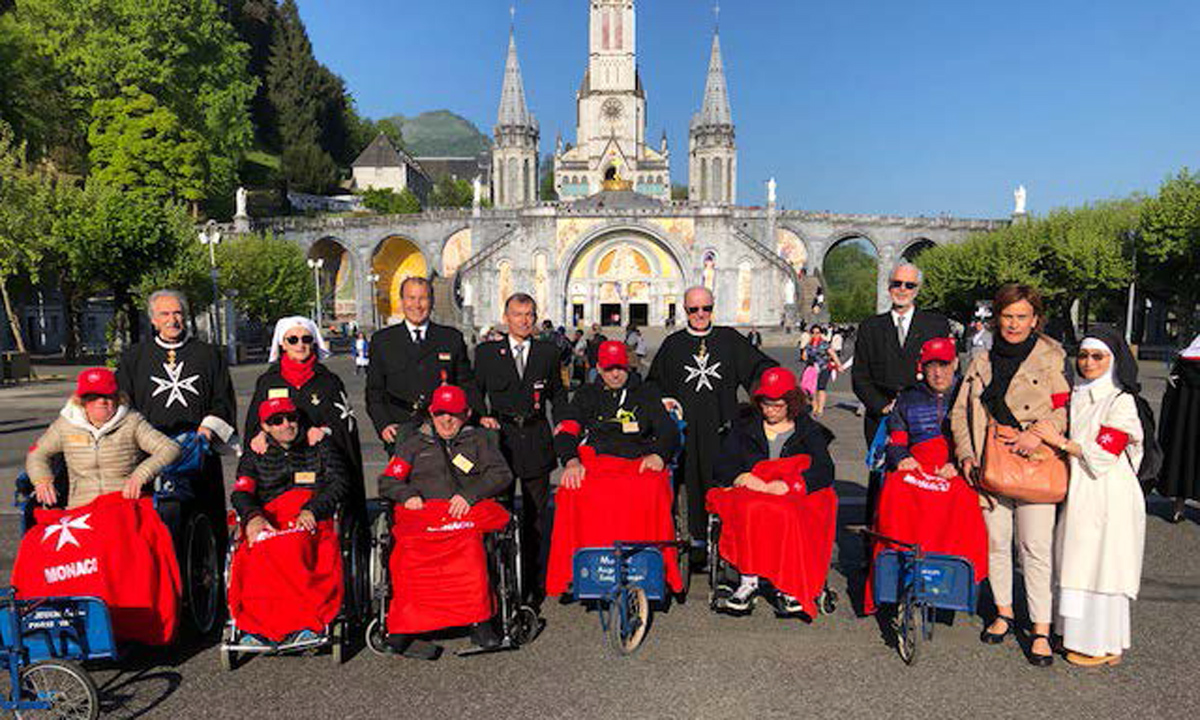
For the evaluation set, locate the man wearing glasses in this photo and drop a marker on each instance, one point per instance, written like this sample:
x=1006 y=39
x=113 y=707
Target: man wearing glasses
x=409 y=361
x=699 y=369
x=886 y=350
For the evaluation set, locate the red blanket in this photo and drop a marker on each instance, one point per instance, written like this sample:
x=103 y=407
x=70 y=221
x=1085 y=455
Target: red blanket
x=615 y=502
x=787 y=539
x=115 y=549
x=439 y=567
x=288 y=580
x=941 y=515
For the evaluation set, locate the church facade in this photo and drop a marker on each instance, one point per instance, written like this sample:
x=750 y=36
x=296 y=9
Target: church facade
x=614 y=248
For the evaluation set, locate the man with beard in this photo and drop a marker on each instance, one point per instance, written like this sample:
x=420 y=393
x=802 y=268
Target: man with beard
x=700 y=368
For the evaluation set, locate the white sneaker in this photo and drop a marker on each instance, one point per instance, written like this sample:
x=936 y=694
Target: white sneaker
x=742 y=598
x=789 y=604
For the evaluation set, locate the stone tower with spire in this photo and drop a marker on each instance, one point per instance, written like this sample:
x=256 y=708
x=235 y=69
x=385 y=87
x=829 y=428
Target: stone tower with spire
x=515 y=152
x=712 y=146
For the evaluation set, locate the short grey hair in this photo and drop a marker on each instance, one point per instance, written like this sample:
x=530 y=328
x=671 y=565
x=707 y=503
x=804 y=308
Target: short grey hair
x=167 y=293
x=698 y=287
x=906 y=264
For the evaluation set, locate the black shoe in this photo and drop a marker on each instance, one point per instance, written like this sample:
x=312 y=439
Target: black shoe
x=991 y=638
x=414 y=649
x=485 y=636
x=1036 y=659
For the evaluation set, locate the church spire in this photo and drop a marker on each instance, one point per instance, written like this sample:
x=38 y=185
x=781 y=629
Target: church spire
x=716 y=109
x=513 y=111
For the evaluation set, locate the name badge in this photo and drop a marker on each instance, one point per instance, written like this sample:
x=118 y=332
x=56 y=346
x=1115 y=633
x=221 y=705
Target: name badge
x=77 y=439
x=462 y=463
x=630 y=426
x=444 y=357
x=306 y=478
x=539 y=385
x=277 y=393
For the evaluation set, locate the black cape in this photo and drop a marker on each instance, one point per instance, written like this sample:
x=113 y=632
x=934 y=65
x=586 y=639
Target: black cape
x=178 y=388
x=1179 y=430
x=703 y=374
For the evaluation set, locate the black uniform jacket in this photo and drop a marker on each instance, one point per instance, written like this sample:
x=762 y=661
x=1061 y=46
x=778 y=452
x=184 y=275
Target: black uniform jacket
x=319 y=468
x=627 y=423
x=469 y=464
x=401 y=376
x=881 y=367
x=520 y=404
x=746 y=444
x=321 y=402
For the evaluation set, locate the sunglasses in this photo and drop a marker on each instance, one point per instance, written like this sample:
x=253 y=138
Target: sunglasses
x=294 y=339
x=281 y=418
x=903 y=284
x=1096 y=356
x=699 y=308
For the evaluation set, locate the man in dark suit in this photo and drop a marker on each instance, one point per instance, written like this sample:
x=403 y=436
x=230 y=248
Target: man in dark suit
x=885 y=355
x=409 y=361
x=517 y=376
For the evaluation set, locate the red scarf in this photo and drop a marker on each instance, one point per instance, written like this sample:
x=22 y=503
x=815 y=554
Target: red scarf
x=295 y=373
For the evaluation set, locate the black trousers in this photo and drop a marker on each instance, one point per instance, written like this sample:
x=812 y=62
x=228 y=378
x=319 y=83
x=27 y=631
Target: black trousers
x=535 y=538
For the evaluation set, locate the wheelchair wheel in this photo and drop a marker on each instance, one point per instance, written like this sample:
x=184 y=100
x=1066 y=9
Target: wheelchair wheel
x=827 y=601
x=908 y=630
x=377 y=569
x=337 y=641
x=68 y=688
x=526 y=626
x=713 y=561
x=356 y=559
x=201 y=574
x=683 y=534
x=629 y=617
x=376 y=638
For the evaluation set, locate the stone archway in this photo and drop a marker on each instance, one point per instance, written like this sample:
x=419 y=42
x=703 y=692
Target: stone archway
x=395 y=259
x=850 y=272
x=622 y=275
x=914 y=248
x=339 y=280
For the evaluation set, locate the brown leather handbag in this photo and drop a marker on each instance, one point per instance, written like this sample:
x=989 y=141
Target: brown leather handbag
x=1039 y=478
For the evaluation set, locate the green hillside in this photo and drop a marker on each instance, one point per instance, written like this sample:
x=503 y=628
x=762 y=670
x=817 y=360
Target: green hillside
x=440 y=133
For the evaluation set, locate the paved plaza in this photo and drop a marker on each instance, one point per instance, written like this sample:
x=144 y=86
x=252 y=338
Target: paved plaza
x=694 y=663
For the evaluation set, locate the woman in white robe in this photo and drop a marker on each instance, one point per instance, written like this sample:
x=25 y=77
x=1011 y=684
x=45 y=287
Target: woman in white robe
x=1101 y=531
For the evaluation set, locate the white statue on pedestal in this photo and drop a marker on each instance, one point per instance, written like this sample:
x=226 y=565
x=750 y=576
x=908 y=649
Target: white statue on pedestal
x=1019 y=198
x=240 y=198
x=771 y=191
x=477 y=186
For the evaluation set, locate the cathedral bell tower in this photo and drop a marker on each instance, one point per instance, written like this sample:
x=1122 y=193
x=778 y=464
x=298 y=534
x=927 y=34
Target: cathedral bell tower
x=712 y=145
x=515 y=153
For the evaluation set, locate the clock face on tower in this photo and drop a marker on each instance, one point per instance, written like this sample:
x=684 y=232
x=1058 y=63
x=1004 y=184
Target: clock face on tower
x=612 y=110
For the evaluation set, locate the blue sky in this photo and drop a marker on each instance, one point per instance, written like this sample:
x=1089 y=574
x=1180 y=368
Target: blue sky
x=859 y=106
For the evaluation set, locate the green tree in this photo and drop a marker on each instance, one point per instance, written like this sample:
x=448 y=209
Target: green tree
x=547 y=193
x=1170 y=228
x=389 y=202
x=33 y=100
x=138 y=144
x=25 y=200
x=270 y=276
x=850 y=275
x=679 y=192
x=182 y=52
x=451 y=192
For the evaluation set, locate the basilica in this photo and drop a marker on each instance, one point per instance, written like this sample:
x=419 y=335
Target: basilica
x=615 y=247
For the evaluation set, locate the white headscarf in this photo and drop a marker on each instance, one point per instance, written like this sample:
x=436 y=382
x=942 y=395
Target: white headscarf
x=1091 y=343
x=1192 y=352
x=288 y=323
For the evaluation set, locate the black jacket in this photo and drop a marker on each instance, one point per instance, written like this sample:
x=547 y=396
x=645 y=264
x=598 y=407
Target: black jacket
x=321 y=402
x=881 y=367
x=319 y=468
x=746 y=444
x=520 y=403
x=479 y=473
x=627 y=423
x=401 y=377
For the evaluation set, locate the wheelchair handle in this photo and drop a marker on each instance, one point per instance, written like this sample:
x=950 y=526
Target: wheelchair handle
x=913 y=547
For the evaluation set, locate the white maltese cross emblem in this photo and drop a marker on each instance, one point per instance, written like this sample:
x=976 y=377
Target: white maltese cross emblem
x=63 y=529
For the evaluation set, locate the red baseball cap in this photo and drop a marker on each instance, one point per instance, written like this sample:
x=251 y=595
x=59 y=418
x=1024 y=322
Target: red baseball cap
x=612 y=353
x=275 y=406
x=775 y=383
x=938 y=350
x=96 y=381
x=448 y=399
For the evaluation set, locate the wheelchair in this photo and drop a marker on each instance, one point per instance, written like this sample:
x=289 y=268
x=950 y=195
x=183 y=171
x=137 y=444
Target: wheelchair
x=519 y=624
x=723 y=577
x=337 y=636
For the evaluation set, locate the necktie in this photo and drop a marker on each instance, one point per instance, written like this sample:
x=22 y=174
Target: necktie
x=520 y=354
x=902 y=329
x=418 y=336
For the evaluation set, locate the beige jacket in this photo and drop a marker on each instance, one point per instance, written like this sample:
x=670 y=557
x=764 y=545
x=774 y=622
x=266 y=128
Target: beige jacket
x=1039 y=391
x=99 y=460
